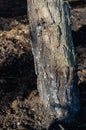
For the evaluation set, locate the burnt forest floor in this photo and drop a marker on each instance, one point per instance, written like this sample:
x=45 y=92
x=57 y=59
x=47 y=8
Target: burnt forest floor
x=20 y=106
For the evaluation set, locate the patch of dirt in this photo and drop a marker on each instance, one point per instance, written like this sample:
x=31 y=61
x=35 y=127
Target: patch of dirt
x=20 y=106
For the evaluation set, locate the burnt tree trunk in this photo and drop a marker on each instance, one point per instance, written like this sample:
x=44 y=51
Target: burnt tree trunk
x=54 y=57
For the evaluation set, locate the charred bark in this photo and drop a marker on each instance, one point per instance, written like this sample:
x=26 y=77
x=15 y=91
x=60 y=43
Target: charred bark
x=54 y=57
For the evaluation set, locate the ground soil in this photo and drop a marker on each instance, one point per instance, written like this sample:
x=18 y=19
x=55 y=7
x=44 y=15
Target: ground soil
x=20 y=106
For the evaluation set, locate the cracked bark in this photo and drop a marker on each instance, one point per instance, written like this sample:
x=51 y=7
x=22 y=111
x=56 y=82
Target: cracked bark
x=54 y=57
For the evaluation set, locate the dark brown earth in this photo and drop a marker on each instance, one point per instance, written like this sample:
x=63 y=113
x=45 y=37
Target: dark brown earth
x=20 y=106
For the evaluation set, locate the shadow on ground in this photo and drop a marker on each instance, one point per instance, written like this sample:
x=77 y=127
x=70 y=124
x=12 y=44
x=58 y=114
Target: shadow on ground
x=17 y=77
x=77 y=3
x=79 y=36
x=9 y=8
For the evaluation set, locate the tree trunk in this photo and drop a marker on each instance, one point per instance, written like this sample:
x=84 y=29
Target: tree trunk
x=54 y=57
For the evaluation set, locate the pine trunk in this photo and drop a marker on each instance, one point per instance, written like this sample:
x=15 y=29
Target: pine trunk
x=54 y=57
